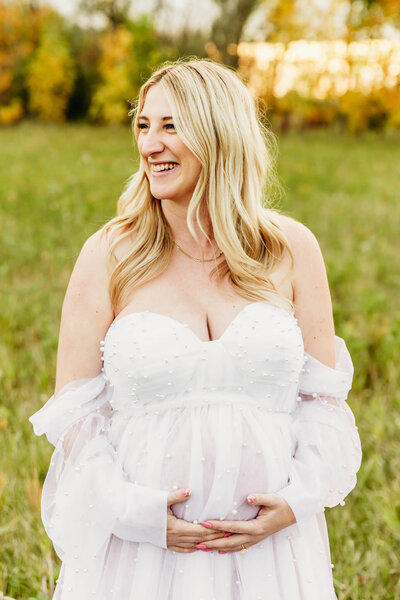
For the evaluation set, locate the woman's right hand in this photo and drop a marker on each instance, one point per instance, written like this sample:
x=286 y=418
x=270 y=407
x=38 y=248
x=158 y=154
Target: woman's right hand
x=182 y=536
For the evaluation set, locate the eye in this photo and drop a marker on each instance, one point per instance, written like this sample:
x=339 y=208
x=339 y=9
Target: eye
x=170 y=126
x=142 y=125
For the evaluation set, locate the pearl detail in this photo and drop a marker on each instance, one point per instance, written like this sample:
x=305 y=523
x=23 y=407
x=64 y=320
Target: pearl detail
x=228 y=376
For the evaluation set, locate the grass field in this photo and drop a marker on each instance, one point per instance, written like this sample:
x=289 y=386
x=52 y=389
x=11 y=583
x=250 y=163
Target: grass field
x=59 y=184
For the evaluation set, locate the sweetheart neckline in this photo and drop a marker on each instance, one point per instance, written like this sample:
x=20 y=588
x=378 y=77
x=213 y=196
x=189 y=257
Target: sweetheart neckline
x=185 y=326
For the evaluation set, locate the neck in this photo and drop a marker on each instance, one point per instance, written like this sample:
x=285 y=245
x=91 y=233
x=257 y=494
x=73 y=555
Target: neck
x=176 y=215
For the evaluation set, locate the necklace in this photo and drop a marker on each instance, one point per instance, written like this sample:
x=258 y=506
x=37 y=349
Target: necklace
x=194 y=258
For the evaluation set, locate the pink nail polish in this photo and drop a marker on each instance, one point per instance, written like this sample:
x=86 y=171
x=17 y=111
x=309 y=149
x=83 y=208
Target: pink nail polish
x=251 y=499
x=206 y=524
x=187 y=492
x=227 y=534
x=201 y=547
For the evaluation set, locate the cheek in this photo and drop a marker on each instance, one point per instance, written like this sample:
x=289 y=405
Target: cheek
x=196 y=169
x=193 y=166
x=191 y=172
x=143 y=161
x=139 y=143
x=140 y=151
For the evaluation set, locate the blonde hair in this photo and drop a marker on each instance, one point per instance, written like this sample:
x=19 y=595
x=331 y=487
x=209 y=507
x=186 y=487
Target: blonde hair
x=216 y=117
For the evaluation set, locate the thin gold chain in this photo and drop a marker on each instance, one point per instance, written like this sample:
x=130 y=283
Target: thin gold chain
x=197 y=259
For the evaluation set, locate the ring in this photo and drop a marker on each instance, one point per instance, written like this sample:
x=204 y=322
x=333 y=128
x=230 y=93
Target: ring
x=244 y=549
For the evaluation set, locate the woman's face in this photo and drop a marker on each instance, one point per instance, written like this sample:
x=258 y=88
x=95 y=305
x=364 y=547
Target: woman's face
x=171 y=168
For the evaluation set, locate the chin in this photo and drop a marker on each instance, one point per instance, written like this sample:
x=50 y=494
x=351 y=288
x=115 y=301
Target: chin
x=159 y=195
x=163 y=194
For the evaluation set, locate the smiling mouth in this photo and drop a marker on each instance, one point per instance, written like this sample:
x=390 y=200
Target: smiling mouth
x=163 y=167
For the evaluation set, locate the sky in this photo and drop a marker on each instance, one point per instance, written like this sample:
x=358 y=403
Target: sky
x=179 y=10
x=180 y=13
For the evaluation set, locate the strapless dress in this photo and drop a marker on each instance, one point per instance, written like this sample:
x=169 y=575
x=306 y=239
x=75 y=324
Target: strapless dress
x=249 y=412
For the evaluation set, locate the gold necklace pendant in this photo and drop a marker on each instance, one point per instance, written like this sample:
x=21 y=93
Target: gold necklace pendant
x=194 y=258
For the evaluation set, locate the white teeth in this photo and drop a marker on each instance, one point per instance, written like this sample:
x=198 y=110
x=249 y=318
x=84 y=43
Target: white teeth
x=162 y=167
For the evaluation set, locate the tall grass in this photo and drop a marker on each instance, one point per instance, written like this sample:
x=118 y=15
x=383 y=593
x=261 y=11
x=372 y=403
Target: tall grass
x=59 y=184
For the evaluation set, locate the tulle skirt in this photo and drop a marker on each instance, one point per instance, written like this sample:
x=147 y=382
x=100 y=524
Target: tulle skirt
x=223 y=452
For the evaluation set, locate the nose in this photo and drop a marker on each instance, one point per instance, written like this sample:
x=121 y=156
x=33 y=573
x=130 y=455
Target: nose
x=151 y=143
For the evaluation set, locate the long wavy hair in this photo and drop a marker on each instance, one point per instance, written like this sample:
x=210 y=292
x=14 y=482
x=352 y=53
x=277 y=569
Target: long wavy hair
x=217 y=118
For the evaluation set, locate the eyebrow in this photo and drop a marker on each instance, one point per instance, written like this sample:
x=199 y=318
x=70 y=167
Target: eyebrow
x=146 y=118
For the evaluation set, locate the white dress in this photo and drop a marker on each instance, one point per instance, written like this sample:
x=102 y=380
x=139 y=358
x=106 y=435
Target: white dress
x=250 y=412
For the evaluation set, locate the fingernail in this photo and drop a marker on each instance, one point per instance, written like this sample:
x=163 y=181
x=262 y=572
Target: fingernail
x=187 y=492
x=222 y=552
x=206 y=524
x=227 y=534
x=201 y=547
x=251 y=499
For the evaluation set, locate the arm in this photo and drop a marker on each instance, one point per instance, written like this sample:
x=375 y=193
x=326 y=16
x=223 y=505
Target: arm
x=327 y=450
x=87 y=496
x=86 y=314
x=312 y=299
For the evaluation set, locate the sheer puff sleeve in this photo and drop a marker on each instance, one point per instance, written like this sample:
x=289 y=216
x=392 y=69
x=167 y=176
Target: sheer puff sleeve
x=86 y=495
x=326 y=444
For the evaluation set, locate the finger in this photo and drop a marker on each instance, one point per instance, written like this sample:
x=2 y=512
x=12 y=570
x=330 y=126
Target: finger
x=237 y=549
x=180 y=543
x=249 y=527
x=196 y=539
x=189 y=529
x=227 y=544
x=214 y=536
x=260 y=499
x=178 y=496
x=201 y=538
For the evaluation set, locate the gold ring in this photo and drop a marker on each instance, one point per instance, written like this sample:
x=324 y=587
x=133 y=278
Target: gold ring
x=244 y=549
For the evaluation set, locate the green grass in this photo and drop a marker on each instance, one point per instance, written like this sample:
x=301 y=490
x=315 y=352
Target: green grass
x=59 y=184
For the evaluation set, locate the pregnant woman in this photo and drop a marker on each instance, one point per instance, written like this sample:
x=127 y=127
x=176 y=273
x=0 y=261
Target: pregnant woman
x=199 y=419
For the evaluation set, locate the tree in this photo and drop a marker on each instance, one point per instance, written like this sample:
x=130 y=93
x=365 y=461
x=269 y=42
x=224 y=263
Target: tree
x=227 y=29
x=51 y=75
x=369 y=16
x=21 y=26
x=128 y=55
x=115 y=12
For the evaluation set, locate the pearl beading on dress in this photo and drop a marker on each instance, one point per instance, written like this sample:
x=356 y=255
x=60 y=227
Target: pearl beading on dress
x=171 y=411
x=188 y=355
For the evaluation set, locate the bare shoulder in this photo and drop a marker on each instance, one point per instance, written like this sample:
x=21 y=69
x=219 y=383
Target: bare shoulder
x=301 y=238
x=90 y=275
x=312 y=299
x=305 y=249
x=86 y=313
x=95 y=247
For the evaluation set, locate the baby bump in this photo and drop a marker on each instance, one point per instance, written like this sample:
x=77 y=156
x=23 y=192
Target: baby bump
x=222 y=453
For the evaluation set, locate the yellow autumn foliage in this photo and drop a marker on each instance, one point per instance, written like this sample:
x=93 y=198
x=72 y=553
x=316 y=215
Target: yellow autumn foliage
x=20 y=30
x=9 y=114
x=110 y=100
x=50 y=78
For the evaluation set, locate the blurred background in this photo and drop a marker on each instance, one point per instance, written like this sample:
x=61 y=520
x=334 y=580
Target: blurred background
x=327 y=73
x=315 y=62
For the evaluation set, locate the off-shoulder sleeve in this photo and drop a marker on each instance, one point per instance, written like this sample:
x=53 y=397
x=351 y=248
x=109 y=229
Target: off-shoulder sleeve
x=326 y=444
x=86 y=495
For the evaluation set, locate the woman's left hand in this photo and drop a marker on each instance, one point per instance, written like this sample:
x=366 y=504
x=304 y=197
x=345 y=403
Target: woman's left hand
x=275 y=514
